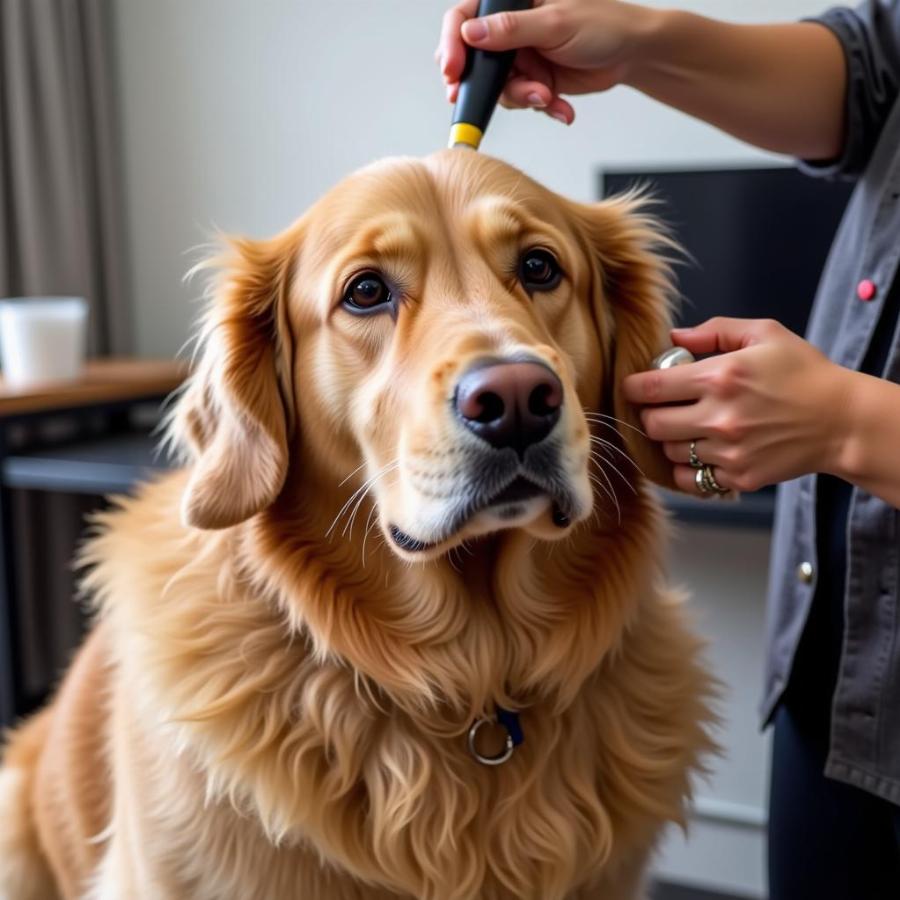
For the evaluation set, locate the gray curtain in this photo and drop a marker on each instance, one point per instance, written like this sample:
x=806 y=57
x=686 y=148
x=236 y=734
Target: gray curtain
x=61 y=222
x=61 y=232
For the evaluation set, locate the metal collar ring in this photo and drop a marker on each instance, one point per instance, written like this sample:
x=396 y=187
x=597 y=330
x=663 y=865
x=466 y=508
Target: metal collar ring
x=503 y=756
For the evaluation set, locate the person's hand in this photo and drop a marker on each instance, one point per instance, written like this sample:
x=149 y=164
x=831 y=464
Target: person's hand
x=770 y=408
x=565 y=47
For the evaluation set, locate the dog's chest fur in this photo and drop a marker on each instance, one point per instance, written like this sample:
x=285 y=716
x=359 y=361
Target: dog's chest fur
x=299 y=780
x=412 y=811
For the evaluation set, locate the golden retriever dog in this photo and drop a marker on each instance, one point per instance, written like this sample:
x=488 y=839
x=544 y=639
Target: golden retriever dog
x=399 y=626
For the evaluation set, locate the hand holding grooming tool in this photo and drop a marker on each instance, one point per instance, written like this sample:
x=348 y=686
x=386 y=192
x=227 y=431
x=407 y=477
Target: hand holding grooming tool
x=482 y=82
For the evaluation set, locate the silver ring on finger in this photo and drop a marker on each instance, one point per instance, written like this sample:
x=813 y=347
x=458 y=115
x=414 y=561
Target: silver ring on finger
x=701 y=482
x=709 y=480
x=693 y=459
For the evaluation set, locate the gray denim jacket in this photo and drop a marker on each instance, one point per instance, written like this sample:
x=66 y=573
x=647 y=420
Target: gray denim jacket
x=865 y=734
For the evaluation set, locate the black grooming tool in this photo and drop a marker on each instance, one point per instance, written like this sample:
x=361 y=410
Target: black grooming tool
x=482 y=82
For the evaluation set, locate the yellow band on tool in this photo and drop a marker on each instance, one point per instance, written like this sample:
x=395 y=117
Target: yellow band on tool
x=464 y=133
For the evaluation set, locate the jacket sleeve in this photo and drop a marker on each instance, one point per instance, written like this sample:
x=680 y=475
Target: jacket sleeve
x=870 y=37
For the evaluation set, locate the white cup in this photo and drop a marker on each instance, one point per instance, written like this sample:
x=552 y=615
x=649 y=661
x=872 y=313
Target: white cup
x=42 y=339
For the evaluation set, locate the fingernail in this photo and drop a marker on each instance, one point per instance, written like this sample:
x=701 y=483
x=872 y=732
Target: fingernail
x=535 y=99
x=476 y=30
x=560 y=117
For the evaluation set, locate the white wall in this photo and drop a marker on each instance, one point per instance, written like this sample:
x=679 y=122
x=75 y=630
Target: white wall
x=725 y=570
x=238 y=113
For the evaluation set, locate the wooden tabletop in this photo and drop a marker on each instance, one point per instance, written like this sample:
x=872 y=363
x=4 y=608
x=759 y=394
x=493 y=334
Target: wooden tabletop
x=103 y=381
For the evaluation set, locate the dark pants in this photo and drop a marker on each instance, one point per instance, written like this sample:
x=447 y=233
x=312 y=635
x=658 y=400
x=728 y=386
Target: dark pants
x=827 y=840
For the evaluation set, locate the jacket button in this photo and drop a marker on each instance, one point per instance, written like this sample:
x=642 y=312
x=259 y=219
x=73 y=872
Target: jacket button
x=866 y=290
x=805 y=572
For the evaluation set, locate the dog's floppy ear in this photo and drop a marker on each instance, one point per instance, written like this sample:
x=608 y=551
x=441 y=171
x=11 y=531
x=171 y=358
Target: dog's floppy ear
x=234 y=415
x=633 y=294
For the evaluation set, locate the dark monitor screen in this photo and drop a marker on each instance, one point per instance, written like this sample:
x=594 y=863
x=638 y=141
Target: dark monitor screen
x=757 y=239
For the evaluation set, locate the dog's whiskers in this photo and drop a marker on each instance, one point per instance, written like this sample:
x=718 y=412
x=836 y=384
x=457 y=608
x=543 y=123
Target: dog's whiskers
x=348 y=528
x=598 y=455
x=362 y=465
x=608 y=490
x=361 y=490
x=596 y=439
x=599 y=417
x=369 y=523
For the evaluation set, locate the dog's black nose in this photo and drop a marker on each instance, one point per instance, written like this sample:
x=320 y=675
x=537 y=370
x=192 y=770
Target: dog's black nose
x=513 y=404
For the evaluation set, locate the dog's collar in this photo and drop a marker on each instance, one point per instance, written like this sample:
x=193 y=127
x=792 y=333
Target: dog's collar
x=514 y=736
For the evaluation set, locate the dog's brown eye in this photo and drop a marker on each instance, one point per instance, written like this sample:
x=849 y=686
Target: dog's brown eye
x=539 y=270
x=367 y=292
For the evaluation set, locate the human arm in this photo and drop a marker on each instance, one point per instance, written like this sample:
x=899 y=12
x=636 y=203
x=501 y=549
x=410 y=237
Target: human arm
x=870 y=456
x=744 y=79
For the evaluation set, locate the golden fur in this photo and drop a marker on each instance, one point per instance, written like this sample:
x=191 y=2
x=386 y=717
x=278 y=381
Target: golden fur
x=272 y=706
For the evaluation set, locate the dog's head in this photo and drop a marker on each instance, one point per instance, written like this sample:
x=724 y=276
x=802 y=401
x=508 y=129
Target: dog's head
x=443 y=336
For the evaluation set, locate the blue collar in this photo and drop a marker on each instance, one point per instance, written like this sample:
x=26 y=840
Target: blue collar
x=510 y=721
